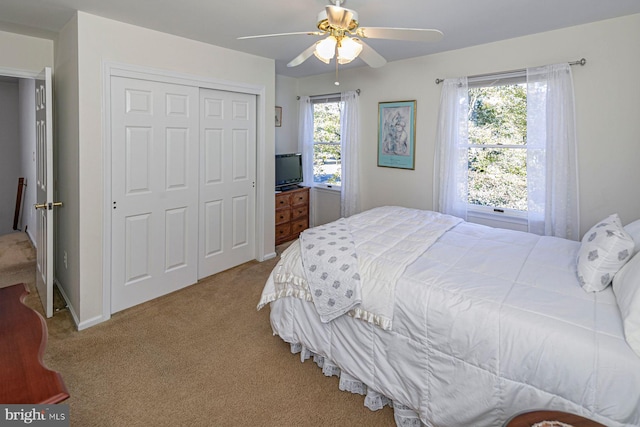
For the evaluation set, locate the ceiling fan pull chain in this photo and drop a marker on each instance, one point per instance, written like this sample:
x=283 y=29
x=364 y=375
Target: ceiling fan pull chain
x=337 y=83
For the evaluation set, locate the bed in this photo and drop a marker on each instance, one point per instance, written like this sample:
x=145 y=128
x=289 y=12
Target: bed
x=459 y=324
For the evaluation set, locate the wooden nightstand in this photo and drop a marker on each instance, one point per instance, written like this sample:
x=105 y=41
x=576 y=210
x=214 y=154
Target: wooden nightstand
x=538 y=418
x=292 y=214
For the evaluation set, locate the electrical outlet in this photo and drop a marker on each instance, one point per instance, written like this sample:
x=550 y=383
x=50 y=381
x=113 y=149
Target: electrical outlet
x=65 y=259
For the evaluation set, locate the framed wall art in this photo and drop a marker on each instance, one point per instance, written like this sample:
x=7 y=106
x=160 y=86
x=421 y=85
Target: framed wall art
x=278 y=117
x=397 y=134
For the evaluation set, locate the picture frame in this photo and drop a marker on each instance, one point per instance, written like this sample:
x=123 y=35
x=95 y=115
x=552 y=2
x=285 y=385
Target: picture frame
x=278 y=117
x=397 y=134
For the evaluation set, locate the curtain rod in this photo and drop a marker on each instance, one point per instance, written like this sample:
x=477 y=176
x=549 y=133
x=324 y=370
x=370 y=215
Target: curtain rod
x=578 y=62
x=328 y=95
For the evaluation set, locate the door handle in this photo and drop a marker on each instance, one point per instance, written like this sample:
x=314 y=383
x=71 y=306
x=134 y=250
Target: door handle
x=49 y=206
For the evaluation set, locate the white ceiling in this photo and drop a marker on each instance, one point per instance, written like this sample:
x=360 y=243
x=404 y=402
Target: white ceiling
x=463 y=22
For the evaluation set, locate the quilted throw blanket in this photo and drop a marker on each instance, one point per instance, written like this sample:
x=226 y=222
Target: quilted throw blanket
x=386 y=241
x=331 y=266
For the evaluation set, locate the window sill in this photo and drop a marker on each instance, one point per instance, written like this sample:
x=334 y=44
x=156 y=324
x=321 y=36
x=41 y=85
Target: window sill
x=511 y=219
x=327 y=187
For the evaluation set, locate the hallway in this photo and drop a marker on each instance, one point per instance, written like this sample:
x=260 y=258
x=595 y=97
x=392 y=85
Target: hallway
x=17 y=260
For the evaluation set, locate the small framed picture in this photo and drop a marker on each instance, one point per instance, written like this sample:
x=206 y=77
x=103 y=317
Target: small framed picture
x=397 y=134
x=278 y=117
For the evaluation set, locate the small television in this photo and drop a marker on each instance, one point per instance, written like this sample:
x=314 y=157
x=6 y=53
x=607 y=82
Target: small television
x=288 y=171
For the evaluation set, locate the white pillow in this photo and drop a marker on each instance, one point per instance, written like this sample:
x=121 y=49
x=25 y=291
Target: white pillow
x=634 y=231
x=626 y=287
x=605 y=248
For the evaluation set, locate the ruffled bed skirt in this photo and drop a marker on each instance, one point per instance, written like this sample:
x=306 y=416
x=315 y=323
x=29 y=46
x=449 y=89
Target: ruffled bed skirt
x=403 y=415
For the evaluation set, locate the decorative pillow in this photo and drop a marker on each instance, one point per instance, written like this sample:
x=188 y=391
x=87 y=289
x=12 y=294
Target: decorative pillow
x=634 y=231
x=605 y=249
x=626 y=287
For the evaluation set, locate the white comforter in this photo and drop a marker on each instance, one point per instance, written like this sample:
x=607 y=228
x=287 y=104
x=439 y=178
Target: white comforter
x=385 y=240
x=487 y=323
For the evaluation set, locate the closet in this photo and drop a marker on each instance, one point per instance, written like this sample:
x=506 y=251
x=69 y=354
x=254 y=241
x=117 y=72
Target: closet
x=183 y=172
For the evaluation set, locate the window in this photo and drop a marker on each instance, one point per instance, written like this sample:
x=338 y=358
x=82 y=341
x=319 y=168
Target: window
x=497 y=132
x=496 y=137
x=327 y=159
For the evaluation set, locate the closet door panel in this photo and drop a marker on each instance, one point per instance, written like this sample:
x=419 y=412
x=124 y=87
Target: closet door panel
x=154 y=216
x=227 y=180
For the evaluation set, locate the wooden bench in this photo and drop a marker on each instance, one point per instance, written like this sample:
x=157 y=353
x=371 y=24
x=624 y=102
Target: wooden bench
x=23 y=338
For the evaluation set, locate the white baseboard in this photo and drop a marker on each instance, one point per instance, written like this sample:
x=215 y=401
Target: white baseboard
x=91 y=322
x=269 y=256
x=76 y=320
x=79 y=325
x=31 y=238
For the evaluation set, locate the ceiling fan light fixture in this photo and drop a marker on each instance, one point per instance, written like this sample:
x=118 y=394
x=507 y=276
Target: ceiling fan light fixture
x=339 y=17
x=348 y=50
x=325 y=49
x=344 y=38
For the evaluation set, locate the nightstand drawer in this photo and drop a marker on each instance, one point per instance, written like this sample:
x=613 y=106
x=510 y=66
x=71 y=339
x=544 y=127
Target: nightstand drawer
x=283 y=231
x=283 y=200
x=282 y=216
x=298 y=212
x=299 y=226
x=300 y=198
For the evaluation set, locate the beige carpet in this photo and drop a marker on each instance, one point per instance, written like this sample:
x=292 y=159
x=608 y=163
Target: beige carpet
x=17 y=260
x=202 y=356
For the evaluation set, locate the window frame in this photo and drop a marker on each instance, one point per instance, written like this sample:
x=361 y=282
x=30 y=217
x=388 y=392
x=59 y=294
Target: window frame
x=497 y=213
x=326 y=99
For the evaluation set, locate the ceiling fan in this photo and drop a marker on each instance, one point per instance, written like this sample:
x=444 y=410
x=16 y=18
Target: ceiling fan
x=344 y=37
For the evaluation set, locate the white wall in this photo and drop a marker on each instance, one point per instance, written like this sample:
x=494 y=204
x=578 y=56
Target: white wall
x=66 y=151
x=607 y=90
x=287 y=134
x=325 y=205
x=98 y=40
x=27 y=133
x=9 y=154
x=24 y=53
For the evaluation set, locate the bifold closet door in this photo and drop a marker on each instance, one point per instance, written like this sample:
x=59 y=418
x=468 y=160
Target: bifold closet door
x=155 y=148
x=227 y=180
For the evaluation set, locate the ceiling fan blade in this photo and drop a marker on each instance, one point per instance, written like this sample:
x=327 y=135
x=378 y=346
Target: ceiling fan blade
x=371 y=57
x=302 y=57
x=308 y=33
x=410 y=34
x=339 y=17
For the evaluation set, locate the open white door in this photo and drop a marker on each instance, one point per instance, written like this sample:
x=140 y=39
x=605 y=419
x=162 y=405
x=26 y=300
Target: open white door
x=44 y=192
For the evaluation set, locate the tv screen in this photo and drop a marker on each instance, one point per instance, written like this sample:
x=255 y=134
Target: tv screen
x=288 y=170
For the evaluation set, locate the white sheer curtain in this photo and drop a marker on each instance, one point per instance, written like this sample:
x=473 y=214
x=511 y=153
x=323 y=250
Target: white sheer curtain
x=349 y=142
x=305 y=138
x=451 y=158
x=552 y=172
